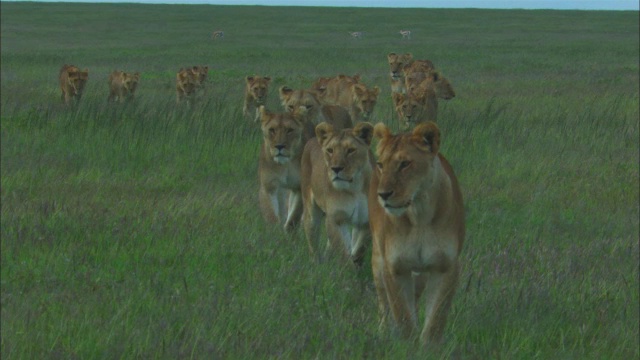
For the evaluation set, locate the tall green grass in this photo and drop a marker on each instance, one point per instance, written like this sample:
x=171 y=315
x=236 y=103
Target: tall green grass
x=132 y=231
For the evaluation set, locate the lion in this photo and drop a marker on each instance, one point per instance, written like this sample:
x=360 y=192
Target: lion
x=416 y=214
x=279 y=167
x=122 y=85
x=187 y=81
x=336 y=171
x=433 y=80
x=255 y=94
x=72 y=82
x=307 y=105
x=417 y=107
x=416 y=72
x=349 y=93
x=397 y=63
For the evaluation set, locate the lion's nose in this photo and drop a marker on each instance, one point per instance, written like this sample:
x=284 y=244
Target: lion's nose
x=337 y=169
x=385 y=195
x=280 y=147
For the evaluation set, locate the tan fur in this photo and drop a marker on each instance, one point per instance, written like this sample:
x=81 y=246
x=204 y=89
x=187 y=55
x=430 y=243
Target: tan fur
x=189 y=80
x=416 y=72
x=306 y=105
x=417 y=107
x=396 y=75
x=122 y=85
x=279 y=167
x=349 y=93
x=336 y=171
x=255 y=94
x=72 y=82
x=218 y=34
x=434 y=81
x=416 y=214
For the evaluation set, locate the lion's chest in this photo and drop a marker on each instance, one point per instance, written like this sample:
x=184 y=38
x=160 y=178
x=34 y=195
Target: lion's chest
x=420 y=250
x=349 y=208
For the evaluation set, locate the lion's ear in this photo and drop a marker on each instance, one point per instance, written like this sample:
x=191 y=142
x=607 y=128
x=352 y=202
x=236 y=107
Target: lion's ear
x=324 y=130
x=427 y=137
x=249 y=79
x=359 y=89
x=364 y=131
x=285 y=92
x=267 y=78
x=408 y=56
x=381 y=131
x=376 y=90
x=356 y=78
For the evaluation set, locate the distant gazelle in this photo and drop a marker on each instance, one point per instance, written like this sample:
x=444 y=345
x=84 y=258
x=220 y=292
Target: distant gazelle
x=218 y=34
x=356 y=34
x=406 y=34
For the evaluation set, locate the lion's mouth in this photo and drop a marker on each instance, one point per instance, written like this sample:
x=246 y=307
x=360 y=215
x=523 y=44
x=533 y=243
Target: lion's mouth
x=339 y=179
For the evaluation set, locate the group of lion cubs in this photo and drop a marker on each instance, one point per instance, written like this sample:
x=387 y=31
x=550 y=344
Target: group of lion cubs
x=316 y=164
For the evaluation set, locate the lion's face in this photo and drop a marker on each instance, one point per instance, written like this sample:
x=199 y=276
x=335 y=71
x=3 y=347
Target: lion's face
x=258 y=87
x=365 y=99
x=304 y=104
x=345 y=152
x=435 y=82
x=77 y=80
x=187 y=81
x=405 y=165
x=409 y=108
x=397 y=63
x=130 y=81
x=282 y=134
x=200 y=74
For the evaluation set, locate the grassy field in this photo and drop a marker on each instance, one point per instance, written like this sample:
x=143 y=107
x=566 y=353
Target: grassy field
x=132 y=231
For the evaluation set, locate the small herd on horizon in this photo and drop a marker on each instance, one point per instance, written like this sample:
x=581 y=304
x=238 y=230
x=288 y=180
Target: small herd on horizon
x=317 y=169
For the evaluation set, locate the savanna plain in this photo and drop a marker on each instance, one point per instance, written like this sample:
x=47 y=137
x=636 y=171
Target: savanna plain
x=132 y=230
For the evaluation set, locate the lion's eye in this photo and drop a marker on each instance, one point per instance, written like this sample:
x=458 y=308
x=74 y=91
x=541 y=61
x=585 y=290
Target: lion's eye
x=330 y=150
x=289 y=130
x=309 y=107
x=379 y=165
x=272 y=131
x=290 y=107
x=404 y=165
x=350 y=151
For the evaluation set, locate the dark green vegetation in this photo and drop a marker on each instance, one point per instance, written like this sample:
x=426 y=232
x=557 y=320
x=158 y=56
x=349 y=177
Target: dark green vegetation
x=131 y=231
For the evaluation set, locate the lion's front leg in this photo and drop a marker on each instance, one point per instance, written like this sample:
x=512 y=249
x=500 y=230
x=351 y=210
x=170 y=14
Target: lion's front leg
x=377 y=267
x=401 y=298
x=295 y=210
x=359 y=237
x=312 y=218
x=272 y=204
x=339 y=236
x=439 y=291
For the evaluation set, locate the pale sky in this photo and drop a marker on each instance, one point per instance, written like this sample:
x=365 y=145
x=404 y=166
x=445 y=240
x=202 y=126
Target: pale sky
x=485 y=4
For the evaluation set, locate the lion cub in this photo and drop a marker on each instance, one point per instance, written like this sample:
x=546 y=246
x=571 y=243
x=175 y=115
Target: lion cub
x=122 y=85
x=336 y=171
x=279 y=167
x=417 y=223
x=255 y=94
x=188 y=80
x=72 y=82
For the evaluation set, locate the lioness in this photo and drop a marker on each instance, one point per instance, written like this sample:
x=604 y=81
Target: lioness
x=416 y=214
x=122 y=85
x=255 y=94
x=336 y=171
x=187 y=81
x=416 y=72
x=349 y=93
x=397 y=63
x=433 y=80
x=306 y=105
x=279 y=167
x=417 y=107
x=72 y=82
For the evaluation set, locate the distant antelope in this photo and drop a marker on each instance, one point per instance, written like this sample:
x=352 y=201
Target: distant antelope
x=219 y=34
x=406 y=34
x=356 y=34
